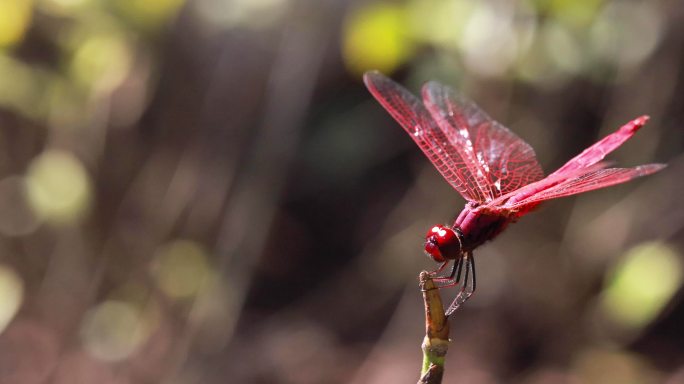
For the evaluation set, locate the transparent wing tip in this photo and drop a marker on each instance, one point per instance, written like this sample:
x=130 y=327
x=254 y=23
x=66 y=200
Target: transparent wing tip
x=637 y=123
x=641 y=120
x=373 y=76
x=650 y=168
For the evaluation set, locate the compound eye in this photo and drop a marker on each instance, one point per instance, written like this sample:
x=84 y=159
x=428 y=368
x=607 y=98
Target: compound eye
x=442 y=243
x=432 y=250
x=443 y=235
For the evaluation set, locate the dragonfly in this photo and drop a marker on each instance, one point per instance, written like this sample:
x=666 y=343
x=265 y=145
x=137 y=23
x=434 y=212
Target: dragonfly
x=495 y=171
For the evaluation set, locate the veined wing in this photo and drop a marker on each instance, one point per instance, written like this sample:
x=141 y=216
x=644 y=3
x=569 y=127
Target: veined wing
x=511 y=198
x=600 y=149
x=411 y=114
x=589 y=181
x=498 y=159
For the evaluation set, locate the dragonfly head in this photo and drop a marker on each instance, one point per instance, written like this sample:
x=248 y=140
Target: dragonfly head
x=443 y=243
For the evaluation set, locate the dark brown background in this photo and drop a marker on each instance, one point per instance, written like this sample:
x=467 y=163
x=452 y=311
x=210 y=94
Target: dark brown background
x=204 y=192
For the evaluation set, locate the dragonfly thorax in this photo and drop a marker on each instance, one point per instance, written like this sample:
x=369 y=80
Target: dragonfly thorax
x=444 y=243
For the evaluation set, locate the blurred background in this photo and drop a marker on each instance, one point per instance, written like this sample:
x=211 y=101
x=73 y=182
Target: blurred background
x=203 y=191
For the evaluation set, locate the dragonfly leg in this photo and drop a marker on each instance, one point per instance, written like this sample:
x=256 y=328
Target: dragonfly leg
x=454 y=276
x=440 y=269
x=468 y=286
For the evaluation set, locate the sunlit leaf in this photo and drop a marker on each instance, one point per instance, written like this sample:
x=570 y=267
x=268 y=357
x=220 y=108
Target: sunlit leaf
x=375 y=38
x=642 y=284
x=15 y=16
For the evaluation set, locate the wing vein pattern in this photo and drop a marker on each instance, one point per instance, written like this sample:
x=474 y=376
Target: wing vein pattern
x=498 y=160
x=411 y=114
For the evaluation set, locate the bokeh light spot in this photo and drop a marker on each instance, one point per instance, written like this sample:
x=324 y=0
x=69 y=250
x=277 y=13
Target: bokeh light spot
x=375 y=38
x=626 y=34
x=149 y=12
x=439 y=22
x=248 y=13
x=537 y=67
x=576 y=13
x=181 y=268
x=562 y=48
x=15 y=16
x=11 y=295
x=642 y=284
x=113 y=330
x=102 y=61
x=58 y=186
x=490 y=43
x=62 y=6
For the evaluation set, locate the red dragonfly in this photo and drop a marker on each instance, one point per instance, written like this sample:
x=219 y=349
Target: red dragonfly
x=491 y=167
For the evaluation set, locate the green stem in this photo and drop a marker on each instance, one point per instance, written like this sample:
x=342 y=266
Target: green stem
x=436 y=342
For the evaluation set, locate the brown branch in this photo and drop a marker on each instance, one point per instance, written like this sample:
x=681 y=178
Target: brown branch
x=436 y=341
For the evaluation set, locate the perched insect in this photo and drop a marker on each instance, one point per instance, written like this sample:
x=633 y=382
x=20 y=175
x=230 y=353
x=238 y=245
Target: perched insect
x=491 y=167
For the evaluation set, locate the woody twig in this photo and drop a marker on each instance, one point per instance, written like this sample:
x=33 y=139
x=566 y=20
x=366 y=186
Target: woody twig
x=436 y=341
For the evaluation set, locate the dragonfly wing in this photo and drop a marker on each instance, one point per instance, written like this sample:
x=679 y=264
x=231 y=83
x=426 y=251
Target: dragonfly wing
x=600 y=149
x=589 y=181
x=500 y=161
x=411 y=114
x=549 y=181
